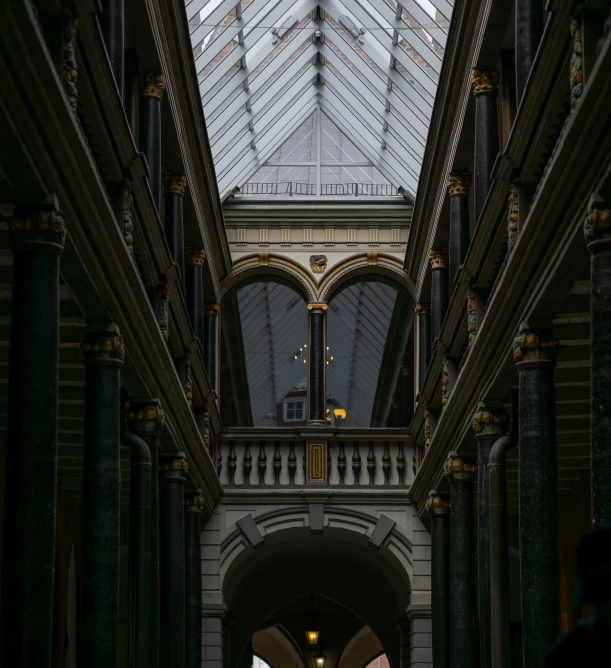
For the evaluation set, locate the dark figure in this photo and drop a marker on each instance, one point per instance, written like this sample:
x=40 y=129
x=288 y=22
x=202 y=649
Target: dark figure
x=587 y=644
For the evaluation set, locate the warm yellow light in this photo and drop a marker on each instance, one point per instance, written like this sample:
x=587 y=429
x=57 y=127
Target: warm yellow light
x=295 y=356
x=304 y=361
x=327 y=361
x=331 y=358
x=340 y=413
x=300 y=350
x=327 y=347
x=305 y=345
x=312 y=636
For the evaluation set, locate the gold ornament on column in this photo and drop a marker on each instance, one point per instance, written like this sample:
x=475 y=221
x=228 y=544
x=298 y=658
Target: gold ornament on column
x=194 y=503
x=70 y=66
x=512 y=218
x=459 y=470
x=436 y=505
x=459 y=183
x=145 y=417
x=485 y=81
x=471 y=318
x=535 y=346
x=152 y=84
x=438 y=258
x=489 y=420
x=174 y=184
x=195 y=256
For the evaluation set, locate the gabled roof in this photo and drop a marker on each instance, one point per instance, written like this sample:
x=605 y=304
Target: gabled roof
x=371 y=66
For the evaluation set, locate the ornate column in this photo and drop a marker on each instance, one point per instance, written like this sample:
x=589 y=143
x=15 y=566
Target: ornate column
x=528 y=28
x=152 y=85
x=112 y=20
x=194 y=504
x=485 y=89
x=317 y=336
x=146 y=419
x=463 y=633
x=103 y=353
x=173 y=471
x=459 y=185
x=195 y=291
x=211 y=323
x=534 y=351
x=174 y=190
x=439 y=290
x=37 y=236
x=489 y=424
x=597 y=229
x=439 y=510
x=423 y=318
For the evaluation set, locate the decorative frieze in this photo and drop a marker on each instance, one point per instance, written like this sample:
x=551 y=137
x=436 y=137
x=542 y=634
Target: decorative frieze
x=576 y=62
x=69 y=63
x=352 y=236
x=428 y=415
x=374 y=236
x=285 y=236
x=308 y=236
x=264 y=236
x=162 y=310
x=241 y=236
x=329 y=236
x=512 y=218
x=471 y=318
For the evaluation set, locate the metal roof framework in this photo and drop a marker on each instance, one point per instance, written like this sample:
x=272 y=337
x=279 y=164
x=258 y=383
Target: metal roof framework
x=264 y=66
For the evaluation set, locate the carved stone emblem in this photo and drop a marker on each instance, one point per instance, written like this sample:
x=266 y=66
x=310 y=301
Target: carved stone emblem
x=318 y=263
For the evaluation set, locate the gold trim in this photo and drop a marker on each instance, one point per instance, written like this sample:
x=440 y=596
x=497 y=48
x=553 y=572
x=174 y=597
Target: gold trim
x=195 y=256
x=152 y=84
x=174 y=184
x=459 y=183
x=438 y=258
x=485 y=81
x=317 y=307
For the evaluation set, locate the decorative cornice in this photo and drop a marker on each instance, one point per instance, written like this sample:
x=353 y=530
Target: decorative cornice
x=41 y=225
x=174 y=184
x=422 y=308
x=459 y=183
x=489 y=421
x=152 y=84
x=175 y=468
x=535 y=346
x=103 y=347
x=485 y=81
x=436 y=505
x=438 y=258
x=317 y=307
x=459 y=470
x=194 y=503
x=195 y=256
x=145 y=416
x=597 y=224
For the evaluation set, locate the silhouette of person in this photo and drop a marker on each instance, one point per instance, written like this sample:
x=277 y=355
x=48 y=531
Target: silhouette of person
x=587 y=643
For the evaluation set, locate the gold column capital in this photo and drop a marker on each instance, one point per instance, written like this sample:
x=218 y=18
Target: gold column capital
x=485 y=81
x=490 y=421
x=597 y=223
x=194 y=502
x=438 y=258
x=535 y=346
x=459 y=183
x=195 y=256
x=174 y=468
x=174 y=184
x=459 y=470
x=40 y=224
x=145 y=416
x=317 y=307
x=436 y=505
x=152 y=83
x=212 y=309
x=103 y=346
x=422 y=308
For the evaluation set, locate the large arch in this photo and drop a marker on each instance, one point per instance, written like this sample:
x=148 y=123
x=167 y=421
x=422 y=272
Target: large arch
x=342 y=564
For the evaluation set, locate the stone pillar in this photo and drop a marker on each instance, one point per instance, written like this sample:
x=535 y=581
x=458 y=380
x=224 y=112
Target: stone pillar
x=194 y=504
x=489 y=423
x=423 y=318
x=195 y=291
x=112 y=22
x=439 y=509
x=103 y=353
x=28 y=562
x=317 y=337
x=213 y=640
x=420 y=650
x=485 y=89
x=152 y=85
x=146 y=419
x=459 y=185
x=174 y=190
x=439 y=290
x=211 y=323
x=463 y=629
x=528 y=28
x=534 y=351
x=597 y=229
x=172 y=561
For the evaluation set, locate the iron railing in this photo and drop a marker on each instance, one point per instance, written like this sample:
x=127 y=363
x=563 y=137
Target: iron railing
x=292 y=188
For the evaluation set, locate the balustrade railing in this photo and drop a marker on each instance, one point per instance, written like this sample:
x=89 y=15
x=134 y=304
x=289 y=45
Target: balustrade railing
x=275 y=463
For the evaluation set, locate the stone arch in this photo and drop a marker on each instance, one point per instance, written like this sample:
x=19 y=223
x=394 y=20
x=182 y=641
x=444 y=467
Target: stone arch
x=269 y=267
x=345 y=551
x=366 y=267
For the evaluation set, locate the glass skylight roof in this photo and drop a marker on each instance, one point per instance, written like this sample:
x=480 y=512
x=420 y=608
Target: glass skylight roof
x=368 y=66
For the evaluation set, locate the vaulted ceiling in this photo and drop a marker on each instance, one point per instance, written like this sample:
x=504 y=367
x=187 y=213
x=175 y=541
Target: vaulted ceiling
x=264 y=66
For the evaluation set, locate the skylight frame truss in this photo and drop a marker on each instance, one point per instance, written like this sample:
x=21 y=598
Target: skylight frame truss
x=249 y=119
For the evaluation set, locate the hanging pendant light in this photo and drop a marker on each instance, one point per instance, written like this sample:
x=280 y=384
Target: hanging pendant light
x=320 y=660
x=312 y=632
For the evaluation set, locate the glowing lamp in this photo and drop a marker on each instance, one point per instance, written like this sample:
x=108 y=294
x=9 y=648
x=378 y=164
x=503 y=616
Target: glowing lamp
x=340 y=413
x=312 y=636
x=320 y=660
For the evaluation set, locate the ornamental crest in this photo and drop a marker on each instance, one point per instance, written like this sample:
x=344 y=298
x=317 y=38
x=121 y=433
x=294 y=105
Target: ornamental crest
x=318 y=263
